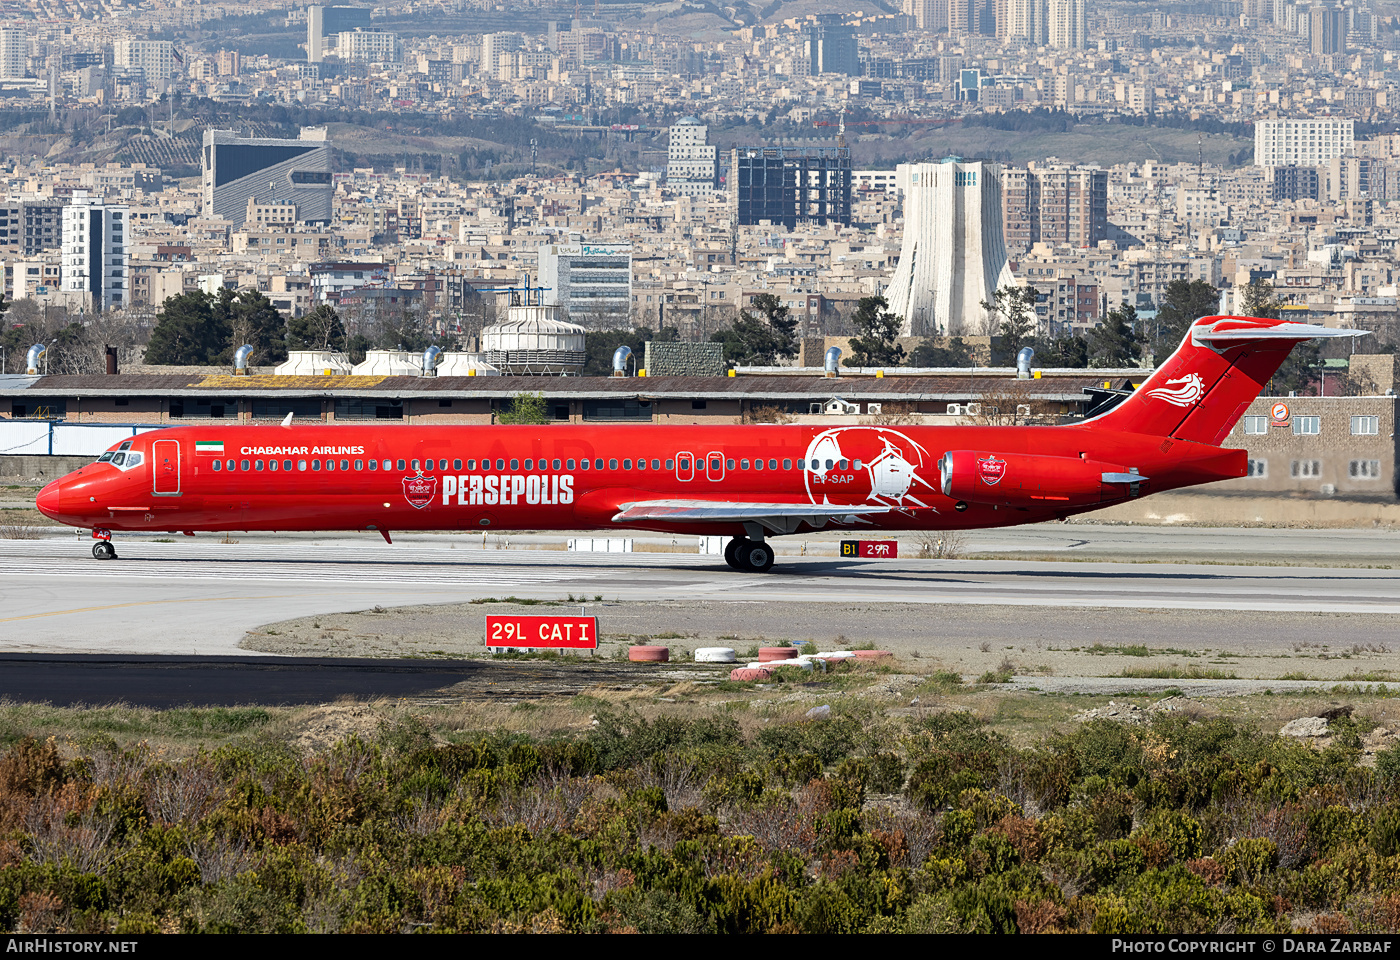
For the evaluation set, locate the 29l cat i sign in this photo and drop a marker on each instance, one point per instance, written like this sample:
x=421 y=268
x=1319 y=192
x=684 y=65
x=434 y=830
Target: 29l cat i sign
x=580 y=633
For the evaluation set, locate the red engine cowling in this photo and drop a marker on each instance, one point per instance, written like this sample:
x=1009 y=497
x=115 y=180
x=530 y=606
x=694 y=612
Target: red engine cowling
x=1031 y=480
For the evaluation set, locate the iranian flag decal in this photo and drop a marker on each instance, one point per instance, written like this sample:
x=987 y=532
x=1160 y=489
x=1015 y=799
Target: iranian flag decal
x=209 y=446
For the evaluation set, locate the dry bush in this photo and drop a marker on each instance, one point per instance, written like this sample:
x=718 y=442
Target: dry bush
x=941 y=544
x=679 y=781
x=183 y=795
x=920 y=834
x=999 y=406
x=895 y=414
x=19 y=531
x=67 y=826
x=39 y=913
x=552 y=803
x=219 y=856
x=768 y=414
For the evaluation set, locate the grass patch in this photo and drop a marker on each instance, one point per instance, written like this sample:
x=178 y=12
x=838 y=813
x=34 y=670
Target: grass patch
x=942 y=681
x=995 y=676
x=1175 y=672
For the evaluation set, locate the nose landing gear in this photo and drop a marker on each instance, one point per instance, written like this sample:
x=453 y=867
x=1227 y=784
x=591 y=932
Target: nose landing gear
x=103 y=549
x=751 y=556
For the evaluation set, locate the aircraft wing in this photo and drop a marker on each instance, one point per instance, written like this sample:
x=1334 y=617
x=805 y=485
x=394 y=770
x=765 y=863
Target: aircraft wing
x=778 y=517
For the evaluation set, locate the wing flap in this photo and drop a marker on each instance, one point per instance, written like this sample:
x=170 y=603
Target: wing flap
x=716 y=511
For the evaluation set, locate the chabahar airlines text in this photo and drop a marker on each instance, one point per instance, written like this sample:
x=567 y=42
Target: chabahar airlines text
x=302 y=451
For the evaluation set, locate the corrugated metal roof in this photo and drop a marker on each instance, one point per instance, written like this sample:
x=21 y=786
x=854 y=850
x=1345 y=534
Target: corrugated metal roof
x=777 y=388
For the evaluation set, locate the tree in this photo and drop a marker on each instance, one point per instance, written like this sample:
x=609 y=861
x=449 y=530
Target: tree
x=930 y=353
x=1299 y=369
x=1011 y=314
x=320 y=329
x=252 y=319
x=188 y=331
x=1259 y=300
x=1114 y=342
x=601 y=345
x=755 y=340
x=876 y=342
x=784 y=326
x=1183 y=303
x=1068 y=351
x=525 y=408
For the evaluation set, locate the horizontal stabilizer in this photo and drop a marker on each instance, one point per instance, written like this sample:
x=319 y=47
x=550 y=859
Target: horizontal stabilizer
x=1226 y=331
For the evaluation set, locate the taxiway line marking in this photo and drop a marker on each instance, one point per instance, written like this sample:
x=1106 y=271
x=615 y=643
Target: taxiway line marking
x=133 y=603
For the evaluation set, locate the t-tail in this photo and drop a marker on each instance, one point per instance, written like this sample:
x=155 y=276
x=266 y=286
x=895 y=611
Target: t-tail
x=1203 y=389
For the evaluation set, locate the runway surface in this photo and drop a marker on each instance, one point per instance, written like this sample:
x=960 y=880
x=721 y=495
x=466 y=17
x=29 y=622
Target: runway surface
x=199 y=597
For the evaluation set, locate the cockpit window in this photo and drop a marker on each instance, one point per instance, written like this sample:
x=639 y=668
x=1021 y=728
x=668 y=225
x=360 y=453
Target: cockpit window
x=106 y=456
x=124 y=461
x=126 y=445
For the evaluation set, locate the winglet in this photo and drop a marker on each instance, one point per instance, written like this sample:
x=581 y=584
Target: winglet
x=287 y=420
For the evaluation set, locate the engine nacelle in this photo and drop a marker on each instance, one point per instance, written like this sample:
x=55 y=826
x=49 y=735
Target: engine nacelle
x=1032 y=480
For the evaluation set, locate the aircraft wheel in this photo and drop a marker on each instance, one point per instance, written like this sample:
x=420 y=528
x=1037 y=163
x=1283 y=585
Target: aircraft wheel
x=757 y=557
x=731 y=552
x=103 y=550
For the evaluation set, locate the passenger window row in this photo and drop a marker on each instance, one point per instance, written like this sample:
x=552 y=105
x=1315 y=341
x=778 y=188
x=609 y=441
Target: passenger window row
x=500 y=464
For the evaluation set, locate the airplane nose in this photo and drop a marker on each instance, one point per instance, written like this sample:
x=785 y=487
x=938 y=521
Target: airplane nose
x=48 y=499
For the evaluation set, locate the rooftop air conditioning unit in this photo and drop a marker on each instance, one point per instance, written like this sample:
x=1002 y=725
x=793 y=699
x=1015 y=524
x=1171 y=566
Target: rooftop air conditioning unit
x=972 y=409
x=1023 y=410
x=954 y=410
x=873 y=409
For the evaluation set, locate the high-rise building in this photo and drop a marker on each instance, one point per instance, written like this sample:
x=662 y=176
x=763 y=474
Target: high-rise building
x=30 y=226
x=831 y=46
x=326 y=22
x=954 y=255
x=692 y=168
x=155 y=59
x=592 y=282
x=1026 y=20
x=1054 y=204
x=929 y=15
x=1294 y=183
x=1302 y=143
x=971 y=18
x=95 y=239
x=14 y=52
x=1327 y=33
x=786 y=186
x=1068 y=24
x=367 y=46
x=269 y=171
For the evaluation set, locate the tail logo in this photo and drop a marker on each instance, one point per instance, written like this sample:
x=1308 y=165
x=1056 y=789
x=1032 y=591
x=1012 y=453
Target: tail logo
x=1190 y=390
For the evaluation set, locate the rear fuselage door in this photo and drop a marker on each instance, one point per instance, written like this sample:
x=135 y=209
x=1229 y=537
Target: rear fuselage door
x=165 y=468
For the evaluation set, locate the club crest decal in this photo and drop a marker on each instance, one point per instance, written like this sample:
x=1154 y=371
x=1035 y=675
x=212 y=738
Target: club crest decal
x=420 y=490
x=1181 y=392
x=991 y=470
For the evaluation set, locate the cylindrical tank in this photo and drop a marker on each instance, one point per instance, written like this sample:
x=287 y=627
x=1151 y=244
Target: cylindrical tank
x=533 y=340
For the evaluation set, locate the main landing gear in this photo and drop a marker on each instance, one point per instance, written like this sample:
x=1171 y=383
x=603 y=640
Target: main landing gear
x=103 y=549
x=751 y=556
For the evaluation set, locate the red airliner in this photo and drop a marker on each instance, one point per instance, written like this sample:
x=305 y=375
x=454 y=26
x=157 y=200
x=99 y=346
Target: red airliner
x=749 y=483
